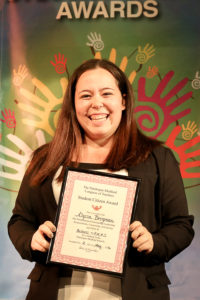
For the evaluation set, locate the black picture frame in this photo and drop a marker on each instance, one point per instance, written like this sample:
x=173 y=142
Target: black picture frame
x=91 y=225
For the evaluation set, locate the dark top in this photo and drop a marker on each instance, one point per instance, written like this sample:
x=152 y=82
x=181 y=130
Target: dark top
x=161 y=207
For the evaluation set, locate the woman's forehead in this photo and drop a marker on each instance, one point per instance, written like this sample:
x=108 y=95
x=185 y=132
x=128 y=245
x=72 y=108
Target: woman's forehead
x=96 y=77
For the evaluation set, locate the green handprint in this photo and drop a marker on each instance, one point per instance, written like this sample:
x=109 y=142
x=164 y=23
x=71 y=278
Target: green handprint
x=45 y=107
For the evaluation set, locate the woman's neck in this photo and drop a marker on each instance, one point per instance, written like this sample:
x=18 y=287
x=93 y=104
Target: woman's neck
x=95 y=151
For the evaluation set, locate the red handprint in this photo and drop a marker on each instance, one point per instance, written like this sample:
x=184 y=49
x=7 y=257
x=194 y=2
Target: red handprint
x=183 y=153
x=9 y=118
x=60 y=64
x=167 y=109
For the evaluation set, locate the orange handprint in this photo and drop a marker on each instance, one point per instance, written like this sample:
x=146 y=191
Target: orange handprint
x=162 y=102
x=184 y=155
x=9 y=118
x=123 y=64
x=152 y=72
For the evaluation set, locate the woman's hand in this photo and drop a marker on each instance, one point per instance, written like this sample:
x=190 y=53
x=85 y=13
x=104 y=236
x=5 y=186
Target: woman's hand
x=39 y=241
x=143 y=240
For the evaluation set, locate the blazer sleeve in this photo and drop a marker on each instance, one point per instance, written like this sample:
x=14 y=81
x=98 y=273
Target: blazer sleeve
x=176 y=231
x=24 y=223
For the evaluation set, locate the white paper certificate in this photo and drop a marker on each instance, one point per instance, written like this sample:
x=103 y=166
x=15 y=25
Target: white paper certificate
x=93 y=220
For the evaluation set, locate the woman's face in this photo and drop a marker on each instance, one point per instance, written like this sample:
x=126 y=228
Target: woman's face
x=98 y=104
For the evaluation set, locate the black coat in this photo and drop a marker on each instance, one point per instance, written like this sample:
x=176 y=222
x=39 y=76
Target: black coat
x=162 y=209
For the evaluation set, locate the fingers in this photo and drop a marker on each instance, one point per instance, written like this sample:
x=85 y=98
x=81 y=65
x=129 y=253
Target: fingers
x=39 y=241
x=137 y=229
x=144 y=243
x=143 y=240
x=39 y=244
x=47 y=228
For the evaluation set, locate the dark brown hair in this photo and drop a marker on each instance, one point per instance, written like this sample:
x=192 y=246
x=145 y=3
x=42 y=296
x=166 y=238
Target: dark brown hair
x=130 y=146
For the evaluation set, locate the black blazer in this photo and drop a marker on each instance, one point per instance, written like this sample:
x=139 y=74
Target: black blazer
x=161 y=207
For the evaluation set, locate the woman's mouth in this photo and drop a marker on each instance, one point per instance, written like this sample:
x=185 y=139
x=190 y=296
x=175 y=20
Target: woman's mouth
x=98 y=116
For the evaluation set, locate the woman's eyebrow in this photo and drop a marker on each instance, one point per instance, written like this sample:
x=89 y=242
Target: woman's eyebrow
x=84 y=91
x=89 y=91
x=107 y=88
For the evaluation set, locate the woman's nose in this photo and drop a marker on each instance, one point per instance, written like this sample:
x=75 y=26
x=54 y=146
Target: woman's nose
x=96 y=102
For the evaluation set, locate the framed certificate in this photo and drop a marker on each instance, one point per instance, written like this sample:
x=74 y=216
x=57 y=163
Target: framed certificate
x=94 y=213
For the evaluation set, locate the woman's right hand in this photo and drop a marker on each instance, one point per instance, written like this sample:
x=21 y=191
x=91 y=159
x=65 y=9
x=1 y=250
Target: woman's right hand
x=39 y=241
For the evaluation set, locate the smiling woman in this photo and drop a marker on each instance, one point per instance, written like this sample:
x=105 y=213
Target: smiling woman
x=97 y=130
x=97 y=86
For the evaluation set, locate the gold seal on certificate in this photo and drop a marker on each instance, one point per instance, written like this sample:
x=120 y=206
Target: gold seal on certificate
x=94 y=213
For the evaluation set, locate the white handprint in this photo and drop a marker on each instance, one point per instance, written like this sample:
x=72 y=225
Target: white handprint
x=23 y=159
x=95 y=41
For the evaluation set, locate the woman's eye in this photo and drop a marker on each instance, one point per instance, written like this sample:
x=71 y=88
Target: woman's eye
x=107 y=94
x=87 y=96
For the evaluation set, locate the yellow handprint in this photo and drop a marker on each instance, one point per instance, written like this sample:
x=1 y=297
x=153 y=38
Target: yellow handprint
x=144 y=55
x=123 y=64
x=189 y=130
x=20 y=75
x=44 y=108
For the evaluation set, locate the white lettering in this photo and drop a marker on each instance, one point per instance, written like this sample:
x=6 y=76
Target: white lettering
x=117 y=6
x=64 y=11
x=82 y=8
x=100 y=10
x=148 y=7
x=136 y=14
x=123 y=9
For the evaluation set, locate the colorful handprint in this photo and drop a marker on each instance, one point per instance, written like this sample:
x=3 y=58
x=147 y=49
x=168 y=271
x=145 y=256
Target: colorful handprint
x=184 y=154
x=152 y=72
x=42 y=112
x=144 y=55
x=95 y=41
x=23 y=159
x=9 y=118
x=162 y=102
x=196 y=81
x=20 y=75
x=60 y=63
x=123 y=64
x=189 y=130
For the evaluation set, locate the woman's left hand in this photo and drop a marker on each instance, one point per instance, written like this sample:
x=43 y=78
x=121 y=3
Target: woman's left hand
x=143 y=240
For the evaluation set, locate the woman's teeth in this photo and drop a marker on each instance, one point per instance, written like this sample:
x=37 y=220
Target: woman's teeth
x=98 y=117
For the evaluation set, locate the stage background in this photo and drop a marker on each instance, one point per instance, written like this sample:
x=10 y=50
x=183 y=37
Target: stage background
x=159 y=48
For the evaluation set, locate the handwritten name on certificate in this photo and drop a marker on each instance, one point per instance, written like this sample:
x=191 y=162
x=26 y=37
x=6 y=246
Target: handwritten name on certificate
x=93 y=222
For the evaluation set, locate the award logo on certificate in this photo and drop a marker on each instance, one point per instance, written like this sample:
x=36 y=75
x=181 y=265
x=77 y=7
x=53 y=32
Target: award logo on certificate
x=94 y=213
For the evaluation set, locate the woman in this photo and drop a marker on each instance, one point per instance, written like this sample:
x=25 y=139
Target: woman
x=97 y=130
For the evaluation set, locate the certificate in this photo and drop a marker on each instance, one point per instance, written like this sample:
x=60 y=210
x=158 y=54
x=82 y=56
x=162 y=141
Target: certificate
x=94 y=213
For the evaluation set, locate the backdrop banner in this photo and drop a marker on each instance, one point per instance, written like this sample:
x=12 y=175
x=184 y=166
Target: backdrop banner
x=155 y=42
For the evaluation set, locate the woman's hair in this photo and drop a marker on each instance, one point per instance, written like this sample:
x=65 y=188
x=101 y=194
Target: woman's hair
x=130 y=146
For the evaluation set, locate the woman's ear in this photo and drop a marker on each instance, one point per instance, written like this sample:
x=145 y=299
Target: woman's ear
x=123 y=101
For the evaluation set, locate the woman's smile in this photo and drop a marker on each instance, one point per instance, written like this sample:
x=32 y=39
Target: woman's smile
x=100 y=116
